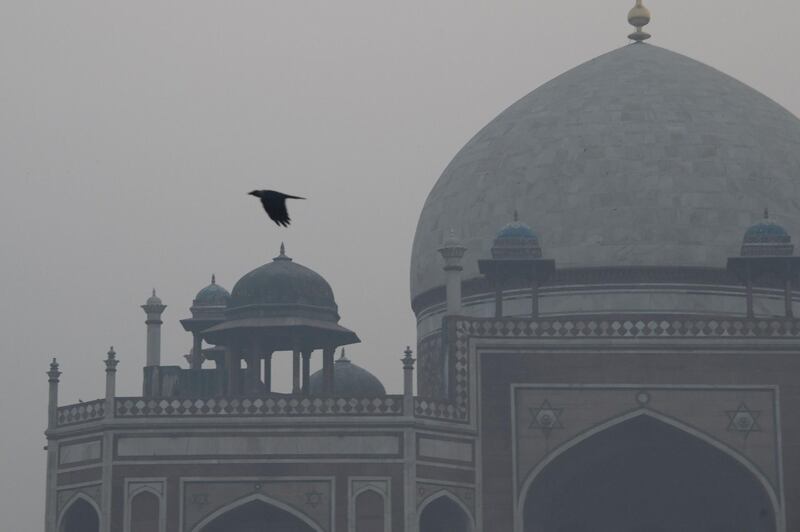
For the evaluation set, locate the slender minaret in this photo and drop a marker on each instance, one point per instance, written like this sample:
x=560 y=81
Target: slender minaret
x=452 y=251
x=153 y=308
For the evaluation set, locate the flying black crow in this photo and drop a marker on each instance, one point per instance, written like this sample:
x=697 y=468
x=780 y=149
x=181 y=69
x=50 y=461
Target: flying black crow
x=275 y=205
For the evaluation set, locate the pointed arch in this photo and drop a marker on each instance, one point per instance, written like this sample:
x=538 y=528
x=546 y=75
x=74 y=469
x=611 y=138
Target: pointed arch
x=742 y=460
x=257 y=497
x=445 y=494
x=75 y=499
x=365 y=521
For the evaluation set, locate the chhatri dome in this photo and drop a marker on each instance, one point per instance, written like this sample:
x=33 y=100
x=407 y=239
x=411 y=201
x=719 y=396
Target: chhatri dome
x=640 y=157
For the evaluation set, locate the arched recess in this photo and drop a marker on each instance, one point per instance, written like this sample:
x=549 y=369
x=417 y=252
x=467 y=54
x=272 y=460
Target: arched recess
x=370 y=511
x=442 y=512
x=646 y=471
x=81 y=514
x=250 y=513
x=145 y=512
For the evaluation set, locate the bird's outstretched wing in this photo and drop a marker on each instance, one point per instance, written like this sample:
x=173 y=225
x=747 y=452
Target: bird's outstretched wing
x=276 y=209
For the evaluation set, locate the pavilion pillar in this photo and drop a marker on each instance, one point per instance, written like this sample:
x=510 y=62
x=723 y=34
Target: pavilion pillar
x=535 y=299
x=327 y=371
x=787 y=297
x=498 y=300
x=749 y=294
x=232 y=369
x=307 y=372
x=197 y=351
x=268 y=372
x=253 y=367
x=296 y=387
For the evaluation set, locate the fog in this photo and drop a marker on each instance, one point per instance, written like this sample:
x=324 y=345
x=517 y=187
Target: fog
x=130 y=133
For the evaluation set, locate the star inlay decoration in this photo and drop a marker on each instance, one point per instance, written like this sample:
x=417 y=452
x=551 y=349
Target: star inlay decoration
x=546 y=418
x=313 y=498
x=744 y=420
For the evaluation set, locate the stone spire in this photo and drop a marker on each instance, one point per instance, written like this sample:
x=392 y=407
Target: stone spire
x=639 y=17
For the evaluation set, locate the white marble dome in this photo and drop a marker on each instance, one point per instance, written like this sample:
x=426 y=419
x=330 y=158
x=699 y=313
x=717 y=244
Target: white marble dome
x=640 y=157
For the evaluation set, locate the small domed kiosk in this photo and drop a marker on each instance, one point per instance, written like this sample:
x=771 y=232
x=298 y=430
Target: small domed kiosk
x=280 y=306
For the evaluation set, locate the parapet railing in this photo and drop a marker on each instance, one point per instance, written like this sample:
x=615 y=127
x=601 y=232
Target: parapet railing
x=81 y=412
x=390 y=405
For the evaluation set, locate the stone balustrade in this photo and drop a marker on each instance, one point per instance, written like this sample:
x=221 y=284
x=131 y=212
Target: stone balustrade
x=81 y=412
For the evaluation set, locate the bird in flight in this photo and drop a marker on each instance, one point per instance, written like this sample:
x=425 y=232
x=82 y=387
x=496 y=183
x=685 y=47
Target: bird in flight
x=275 y=205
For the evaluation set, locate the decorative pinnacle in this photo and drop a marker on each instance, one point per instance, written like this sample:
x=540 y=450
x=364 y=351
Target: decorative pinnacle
x=408 y=360
x=452 y=250
x=111 y=361
x=639 y=17
x=516 y=215
x=54 y=374
x=766 y=213
x=213 y=279
x=343 y=356
x=282 y=254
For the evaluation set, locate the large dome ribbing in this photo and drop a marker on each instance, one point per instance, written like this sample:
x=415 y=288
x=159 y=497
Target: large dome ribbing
x=640 y=157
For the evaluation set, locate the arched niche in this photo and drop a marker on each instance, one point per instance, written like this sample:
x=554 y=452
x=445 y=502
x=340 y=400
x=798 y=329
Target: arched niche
x=645 y=474
x=145 y=512
x=81 y=515
x=370 y=511
x=251 y=513
x=444 y=513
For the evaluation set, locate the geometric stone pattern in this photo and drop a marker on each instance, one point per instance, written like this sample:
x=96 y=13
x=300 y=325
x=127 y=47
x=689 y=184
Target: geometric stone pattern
x=311 y=498
x=462 y=493
x=623 y=327
x=430 y=367
x=81 y=412
x=545 y=418
x=743 y=420
x=308 y=406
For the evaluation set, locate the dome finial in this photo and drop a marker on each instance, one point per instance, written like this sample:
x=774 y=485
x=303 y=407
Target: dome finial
x=516 y=215
x=154 y=292
x=213 y=279
x=638 y=17
x=766 y=213
x=343 y=356
x=282 y=254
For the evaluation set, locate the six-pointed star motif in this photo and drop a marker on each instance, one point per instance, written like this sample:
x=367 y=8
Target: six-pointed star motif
x=546 y=418
x=743 y=420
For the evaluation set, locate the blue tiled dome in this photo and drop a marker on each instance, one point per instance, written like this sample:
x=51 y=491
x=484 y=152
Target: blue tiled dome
x=516 y=230
x=516 y=240
x=766 y=238
x=766 y=231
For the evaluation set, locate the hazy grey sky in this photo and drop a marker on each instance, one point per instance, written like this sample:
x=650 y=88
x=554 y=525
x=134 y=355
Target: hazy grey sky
x=130 y=133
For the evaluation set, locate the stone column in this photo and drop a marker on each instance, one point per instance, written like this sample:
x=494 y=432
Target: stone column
x=253 y=367
x=498 y=299
x=307 y=372
x=197 y=351
x=535 y=299
x=268 y=372
x=153 y=308
x=408 y=382
x=787 y=297
x=111 y=381
x=327 y=371
x=296 y=387
x=232 y=370
x=452 y=251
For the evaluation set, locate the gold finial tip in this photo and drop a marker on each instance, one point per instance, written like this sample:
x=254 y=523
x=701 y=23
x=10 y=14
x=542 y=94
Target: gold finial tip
x=639 y=17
